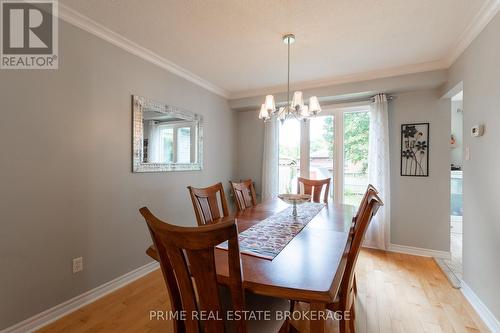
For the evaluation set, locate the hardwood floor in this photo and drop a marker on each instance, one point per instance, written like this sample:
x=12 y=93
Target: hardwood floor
x=396 y=293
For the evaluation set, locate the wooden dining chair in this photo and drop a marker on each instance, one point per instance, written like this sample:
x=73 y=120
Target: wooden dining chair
x=346 y=295
x=187 y=260
x=314 y=187
x=361 y=208
x=364 y=201
x=206 y=204
x=176 y=247
x=244 y=194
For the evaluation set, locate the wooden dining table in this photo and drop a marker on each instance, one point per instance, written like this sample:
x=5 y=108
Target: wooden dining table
x=309 y=268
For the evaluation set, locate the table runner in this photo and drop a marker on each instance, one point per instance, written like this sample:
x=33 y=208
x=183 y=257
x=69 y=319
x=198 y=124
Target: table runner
x=269 y=237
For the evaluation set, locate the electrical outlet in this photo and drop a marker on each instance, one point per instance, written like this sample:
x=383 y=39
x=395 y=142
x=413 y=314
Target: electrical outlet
x=77 y=265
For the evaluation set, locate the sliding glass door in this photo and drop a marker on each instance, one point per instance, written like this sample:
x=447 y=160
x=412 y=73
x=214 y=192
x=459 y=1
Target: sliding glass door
x=356 y=131
x=289 y=156
x=321 y=149
x=333 y=145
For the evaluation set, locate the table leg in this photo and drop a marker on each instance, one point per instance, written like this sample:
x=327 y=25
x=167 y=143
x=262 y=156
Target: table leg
x=319 y=310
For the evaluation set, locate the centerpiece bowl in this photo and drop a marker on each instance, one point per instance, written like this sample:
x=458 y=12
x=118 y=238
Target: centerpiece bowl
x=294 y=200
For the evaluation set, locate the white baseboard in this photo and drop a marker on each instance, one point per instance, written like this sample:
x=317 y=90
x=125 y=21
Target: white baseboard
x=417 y=251
x=46 y=317
x=482 y=310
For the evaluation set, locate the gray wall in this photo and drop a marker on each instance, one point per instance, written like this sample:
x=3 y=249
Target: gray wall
x=479 y=69
x=250 y=147
x=420 y=206
x=67 y=189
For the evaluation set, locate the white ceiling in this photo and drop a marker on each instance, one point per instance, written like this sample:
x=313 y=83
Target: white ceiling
x=236 y=44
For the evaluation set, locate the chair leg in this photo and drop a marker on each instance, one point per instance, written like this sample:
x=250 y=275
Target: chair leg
x=287 y=326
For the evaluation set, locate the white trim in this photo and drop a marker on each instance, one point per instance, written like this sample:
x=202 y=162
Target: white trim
x=357 y=77
x=83 y=22
x=48 y=316
x=417 y=251
x=480 y=21
x=482 y=310
x=482 y=18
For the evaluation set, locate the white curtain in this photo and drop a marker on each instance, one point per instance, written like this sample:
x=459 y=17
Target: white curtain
x=153 y=142
x=270 y=160
x=379 y=172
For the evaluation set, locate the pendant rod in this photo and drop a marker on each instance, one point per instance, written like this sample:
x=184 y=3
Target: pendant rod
x=288 y=80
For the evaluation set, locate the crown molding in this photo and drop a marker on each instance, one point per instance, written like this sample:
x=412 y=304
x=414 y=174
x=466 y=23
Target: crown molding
x=85 y=23
x=483 y=17
x=351 y=78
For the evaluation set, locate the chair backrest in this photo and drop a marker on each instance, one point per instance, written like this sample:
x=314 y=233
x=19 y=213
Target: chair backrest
x=205 y=203
x=373 y=202
x=314 y=188
x=187 y=260
x=244 y=194
x=363 y=203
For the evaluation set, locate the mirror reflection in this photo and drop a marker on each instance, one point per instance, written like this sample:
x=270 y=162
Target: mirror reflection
x=166 y=138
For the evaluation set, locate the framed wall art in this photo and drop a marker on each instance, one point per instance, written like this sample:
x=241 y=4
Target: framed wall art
x=415 y=150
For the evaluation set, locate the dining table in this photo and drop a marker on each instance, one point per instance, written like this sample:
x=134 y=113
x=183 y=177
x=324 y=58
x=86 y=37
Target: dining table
x=308 y=269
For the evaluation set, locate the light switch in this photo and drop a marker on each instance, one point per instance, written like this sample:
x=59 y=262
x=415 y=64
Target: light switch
x=467 y=153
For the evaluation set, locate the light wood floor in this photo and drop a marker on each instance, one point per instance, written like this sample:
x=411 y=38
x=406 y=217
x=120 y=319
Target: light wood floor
x=396 y=293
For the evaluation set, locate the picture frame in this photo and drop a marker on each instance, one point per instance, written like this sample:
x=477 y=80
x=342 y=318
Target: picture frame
x=415 y=147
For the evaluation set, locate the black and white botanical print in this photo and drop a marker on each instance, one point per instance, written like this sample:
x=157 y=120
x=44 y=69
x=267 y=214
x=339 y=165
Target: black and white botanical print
x=415 y=150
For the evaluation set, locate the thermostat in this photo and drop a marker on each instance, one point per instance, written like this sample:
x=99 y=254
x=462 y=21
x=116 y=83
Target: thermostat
x=477 y=130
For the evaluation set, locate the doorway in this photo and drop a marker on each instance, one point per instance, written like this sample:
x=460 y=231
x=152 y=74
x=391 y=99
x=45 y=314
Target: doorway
x=456 y=192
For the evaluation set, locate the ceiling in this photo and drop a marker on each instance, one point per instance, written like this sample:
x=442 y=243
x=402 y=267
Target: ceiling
x=235 y=45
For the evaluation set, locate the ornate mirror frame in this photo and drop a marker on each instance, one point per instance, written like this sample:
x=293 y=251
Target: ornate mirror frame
x=139 y=104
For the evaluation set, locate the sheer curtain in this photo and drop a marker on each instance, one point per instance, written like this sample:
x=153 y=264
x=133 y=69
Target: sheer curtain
x=153 y=142
x=377 y=234
x=270 y=160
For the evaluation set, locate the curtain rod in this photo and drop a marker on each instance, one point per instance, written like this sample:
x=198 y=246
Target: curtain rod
x=360 y=100
x=389 y=98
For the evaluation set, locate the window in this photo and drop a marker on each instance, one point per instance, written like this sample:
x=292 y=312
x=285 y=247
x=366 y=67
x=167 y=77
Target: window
x=332 y=145
x=166 y=144
x=289 y=156
x=321 y=148
x=184 y=145
x=356 y=127
x=175 y=144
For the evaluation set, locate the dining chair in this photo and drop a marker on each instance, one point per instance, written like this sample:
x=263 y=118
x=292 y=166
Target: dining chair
x=346 y=296
x=314 y=187
x=361 y=208
x=187 y=260
x=244 y=194
x=345 y=300
x=206 y=205
x=364 y=202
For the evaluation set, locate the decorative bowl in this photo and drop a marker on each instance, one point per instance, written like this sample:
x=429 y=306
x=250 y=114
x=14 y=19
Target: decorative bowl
x=294 y=200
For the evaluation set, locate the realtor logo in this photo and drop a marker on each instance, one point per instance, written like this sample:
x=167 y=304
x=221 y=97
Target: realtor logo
x=29 y=38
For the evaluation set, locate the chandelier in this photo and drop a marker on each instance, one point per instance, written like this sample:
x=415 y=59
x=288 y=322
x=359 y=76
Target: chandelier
x=295 y=108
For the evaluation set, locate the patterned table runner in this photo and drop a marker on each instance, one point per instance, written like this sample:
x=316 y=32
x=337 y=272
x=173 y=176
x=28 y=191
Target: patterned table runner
x=269 y=237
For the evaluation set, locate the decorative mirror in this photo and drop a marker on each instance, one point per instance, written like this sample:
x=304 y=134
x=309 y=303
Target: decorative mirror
x=165 y=137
